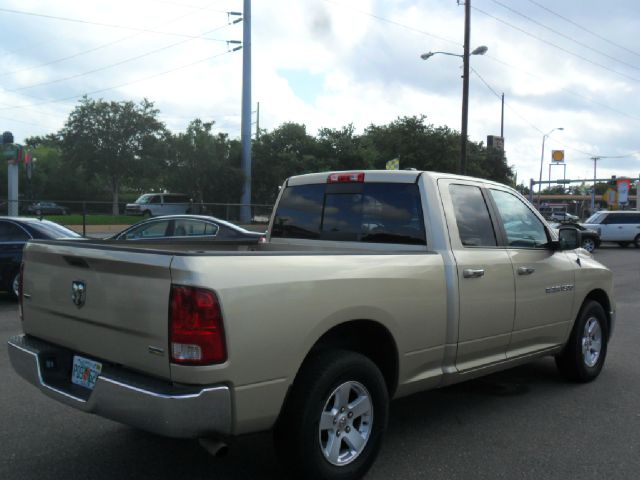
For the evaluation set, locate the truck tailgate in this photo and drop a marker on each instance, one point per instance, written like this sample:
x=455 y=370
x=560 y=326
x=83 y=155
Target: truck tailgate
x=123 y=318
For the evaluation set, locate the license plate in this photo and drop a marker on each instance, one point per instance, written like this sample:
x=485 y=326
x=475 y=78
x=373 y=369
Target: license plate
x=85 y=372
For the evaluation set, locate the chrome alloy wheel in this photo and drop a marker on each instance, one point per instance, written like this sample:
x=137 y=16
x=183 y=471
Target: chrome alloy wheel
x=591 y=341
x=345 y=423
x=589 y=245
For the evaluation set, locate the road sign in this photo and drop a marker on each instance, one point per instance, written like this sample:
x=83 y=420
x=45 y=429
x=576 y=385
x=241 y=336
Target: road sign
x=557 y=156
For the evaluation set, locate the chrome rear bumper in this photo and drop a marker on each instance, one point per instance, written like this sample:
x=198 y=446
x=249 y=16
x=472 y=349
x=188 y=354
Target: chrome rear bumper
x=127 y=397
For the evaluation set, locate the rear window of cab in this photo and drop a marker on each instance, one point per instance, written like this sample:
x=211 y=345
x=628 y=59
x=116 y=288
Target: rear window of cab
x=351 y=212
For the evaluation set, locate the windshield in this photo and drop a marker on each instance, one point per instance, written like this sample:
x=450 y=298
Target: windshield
x=144 y=198
x=53 y=230
x=595 y=218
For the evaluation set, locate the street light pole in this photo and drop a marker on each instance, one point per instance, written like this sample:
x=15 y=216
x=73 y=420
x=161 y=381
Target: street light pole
x=465 y=87
x=544 y=137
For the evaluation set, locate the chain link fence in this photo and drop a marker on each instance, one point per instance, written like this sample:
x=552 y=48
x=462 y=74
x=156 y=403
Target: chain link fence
x=91 y=218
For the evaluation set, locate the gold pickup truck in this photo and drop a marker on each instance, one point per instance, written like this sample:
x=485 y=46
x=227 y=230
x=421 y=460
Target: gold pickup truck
x=372 y=285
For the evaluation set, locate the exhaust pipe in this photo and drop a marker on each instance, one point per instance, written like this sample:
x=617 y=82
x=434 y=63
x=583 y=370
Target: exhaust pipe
x=215 y=448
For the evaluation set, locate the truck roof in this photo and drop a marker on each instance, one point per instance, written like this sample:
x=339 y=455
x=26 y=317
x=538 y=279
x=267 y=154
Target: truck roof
x=375 y=176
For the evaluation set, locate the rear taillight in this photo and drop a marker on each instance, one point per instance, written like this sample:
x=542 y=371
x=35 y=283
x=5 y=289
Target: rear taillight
x=350 y=177
x=20 y=291
x=196 y=334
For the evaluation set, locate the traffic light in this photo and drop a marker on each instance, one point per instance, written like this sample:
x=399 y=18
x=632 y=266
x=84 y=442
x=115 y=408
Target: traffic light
x=7 y=138
x=613 y=180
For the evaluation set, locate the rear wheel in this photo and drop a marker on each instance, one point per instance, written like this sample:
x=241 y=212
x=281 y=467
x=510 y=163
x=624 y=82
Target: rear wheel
x=636 y=241
x=333 y=421
x=584 y=354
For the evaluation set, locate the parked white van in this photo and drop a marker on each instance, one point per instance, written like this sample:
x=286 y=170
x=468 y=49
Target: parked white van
x=622 y=227
x=153 y=204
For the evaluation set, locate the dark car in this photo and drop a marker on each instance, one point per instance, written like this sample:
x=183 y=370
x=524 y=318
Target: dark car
x=188 y=227
x=14 y=233
x=590 y=238
x=47 y=208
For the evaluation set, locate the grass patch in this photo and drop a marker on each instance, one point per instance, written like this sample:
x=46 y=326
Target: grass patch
x=94 y=219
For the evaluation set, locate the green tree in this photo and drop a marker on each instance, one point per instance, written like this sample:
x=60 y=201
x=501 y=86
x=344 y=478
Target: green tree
x=201 y=164
x=287 y=150
x=114 y=141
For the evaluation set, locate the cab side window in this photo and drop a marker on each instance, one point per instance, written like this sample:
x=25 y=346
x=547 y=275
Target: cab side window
x=522 y=226
x=10 y=232
x=472 y=216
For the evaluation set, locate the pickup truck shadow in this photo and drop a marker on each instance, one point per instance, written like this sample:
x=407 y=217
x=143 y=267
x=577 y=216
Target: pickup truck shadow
x=422 y=426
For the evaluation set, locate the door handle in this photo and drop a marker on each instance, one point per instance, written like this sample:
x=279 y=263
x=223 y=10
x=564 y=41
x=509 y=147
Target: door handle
x=473 y=272
x=526 y=270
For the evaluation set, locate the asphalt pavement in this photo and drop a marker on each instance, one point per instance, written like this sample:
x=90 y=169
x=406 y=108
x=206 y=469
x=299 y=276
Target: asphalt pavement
x=524 y=423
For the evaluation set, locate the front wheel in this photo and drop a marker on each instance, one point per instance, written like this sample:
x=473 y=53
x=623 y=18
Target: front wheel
x=332 y=424
x=589 y=244
x=636 y=241
x=584 y=354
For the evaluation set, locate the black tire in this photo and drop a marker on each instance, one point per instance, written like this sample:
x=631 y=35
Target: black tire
x=146 y=214
x=589 y=244
x=591 y=326
x=298 y=436
x=636 y=241
x=623 y=244
x=13 y=285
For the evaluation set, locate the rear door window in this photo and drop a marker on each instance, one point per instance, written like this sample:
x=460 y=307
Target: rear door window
x=10 y=232
x=358 y=212
x=472 y=216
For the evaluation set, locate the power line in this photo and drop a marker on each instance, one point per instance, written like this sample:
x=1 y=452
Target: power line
x=566 y=90
x=149 y=77
x=393 y=22
x=122 y=62
x=508 y=105
x=585 y=59
x=565 y=36
x=102 y=24
x=595 y=102
x=100 y=47
x=590 y=155
x=585 y=29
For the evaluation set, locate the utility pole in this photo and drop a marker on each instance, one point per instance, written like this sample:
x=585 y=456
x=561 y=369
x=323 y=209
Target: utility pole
x=593 y=193
x=502 y=118
x=245 y=132
x=465 y=87
x=258 y=122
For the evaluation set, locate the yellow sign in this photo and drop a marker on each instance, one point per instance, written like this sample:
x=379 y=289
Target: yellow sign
x=393 y=164
x=557 y=155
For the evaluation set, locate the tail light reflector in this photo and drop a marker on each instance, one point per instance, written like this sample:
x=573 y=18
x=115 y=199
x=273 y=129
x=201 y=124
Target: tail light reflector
x=351 y=177
x=196 y=333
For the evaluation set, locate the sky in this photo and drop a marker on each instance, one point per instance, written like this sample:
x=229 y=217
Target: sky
x=573 y=64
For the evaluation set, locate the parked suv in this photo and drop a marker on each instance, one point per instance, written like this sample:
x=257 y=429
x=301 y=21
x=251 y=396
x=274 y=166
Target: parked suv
x=622 y=227
x=153 y=204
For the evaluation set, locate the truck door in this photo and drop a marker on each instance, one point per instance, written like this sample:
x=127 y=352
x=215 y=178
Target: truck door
x=544 y=278
x=485 y=276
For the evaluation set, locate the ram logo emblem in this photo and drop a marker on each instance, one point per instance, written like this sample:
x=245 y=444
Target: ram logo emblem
x=78 y=293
